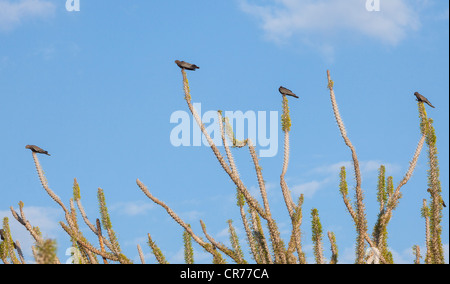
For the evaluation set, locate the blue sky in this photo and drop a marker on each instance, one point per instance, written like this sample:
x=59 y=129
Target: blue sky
x=96 y=88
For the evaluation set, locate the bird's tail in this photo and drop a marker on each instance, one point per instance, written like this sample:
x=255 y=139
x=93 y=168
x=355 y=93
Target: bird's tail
x=46 y=153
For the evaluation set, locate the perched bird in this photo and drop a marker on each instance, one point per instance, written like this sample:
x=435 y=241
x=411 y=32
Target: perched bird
x=3 y=238
x=421 y=98
x=185 y=65
x=288 y=92
x=36 y=149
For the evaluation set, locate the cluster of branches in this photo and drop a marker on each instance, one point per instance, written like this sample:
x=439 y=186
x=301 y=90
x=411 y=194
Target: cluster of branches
x=44 y=250
x=388 y=197
x=265 y=243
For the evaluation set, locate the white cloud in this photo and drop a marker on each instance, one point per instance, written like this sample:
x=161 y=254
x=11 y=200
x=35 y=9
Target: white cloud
x=307 y=189
x=366 y=167
x=132 y=208
x=13 y=13
x=284 y=19
x=191 y=216
x=332 y=169
x=224 y=233
x=255 y=191
x=326 y=174
x=446 y=251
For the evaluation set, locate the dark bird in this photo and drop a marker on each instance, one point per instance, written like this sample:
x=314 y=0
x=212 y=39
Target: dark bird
x=288 y=92
x=443 y=203
x=185 y=65
x=421 y=98
x=36 y=149
x=3 y=238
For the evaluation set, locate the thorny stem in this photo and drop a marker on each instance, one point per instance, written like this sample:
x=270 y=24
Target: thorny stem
x=317 y=236
x=156 y=251
x=91 y=226
x=22 y=220
x=286 y=128
x=295 y=241
x=417 y=254
x=434 y=184
x=141 y=254
x=87 y=245
x=425 y=214
x=19 y=252
x=8 y=243
x=278 y=248
x=296 y=235
x=188 y=249
x=176 y=218
x=252 y=202
x=259 y=236
x=226 y=146
x=334 y=250
x=251 y=241
x=44 y=183
x=393 y=199
x=360 y=221
x=222 y=247
x=72 y=228
x=100 y=239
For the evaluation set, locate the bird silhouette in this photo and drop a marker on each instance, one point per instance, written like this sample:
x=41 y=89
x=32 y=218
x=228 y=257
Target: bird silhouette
x=287 y=92
x=185 y=65
x=36 y=149
x=421 y=98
